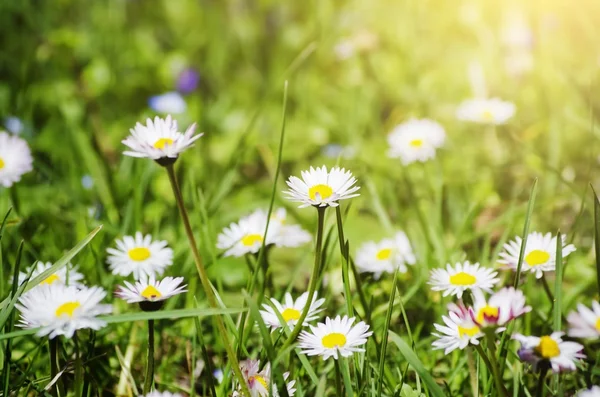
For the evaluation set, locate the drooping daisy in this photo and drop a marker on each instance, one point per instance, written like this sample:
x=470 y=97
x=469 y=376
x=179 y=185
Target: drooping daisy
x=288 y=235
x=485 y=111
x=593 y=392
x=161 y=394
x=386 y=255
x=15 y=159
x=416 y=140
x=561 y=355
x=539 y=256
x=585 y=323
x=334 y=338
x=463 y=276
x=168 y=103
x=140 y=256
x=151 y=294
x=159 y=139
x=321 y=188
x=502 y=307
x=67 y=275
x=58 y=309
x=291 y=310
x=259 y=382
x=459 y=330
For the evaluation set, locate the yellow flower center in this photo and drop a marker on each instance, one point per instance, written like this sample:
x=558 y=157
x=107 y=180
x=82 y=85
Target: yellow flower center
x=139 y=254
x=151 y=293
x=537 y=257
x=334 y=339
x=598 y=324
x=548 y=347
x=1 y=163
x=470 y=331
x=324 y=192
x=260 y=380
x=251 y=239
x=462 y=278
x=487 y=313
x=384 y=254
x=416 y=143
x=290 y=314
x=67 y=308
x=52 y=278
x=487 y=115
x=162 y=142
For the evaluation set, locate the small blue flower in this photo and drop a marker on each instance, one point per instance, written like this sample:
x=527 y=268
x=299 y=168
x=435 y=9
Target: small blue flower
x=170 y=102
x=188 y=81
x=14 y=125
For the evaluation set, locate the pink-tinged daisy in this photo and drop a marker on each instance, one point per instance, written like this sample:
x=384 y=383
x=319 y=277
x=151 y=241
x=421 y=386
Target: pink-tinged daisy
x=502 y=307
x=561 y=355
x=458 y=332
x=585 y=322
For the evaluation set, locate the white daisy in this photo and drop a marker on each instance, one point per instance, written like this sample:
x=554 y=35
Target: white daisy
x=463 y=276
x=291 y=310
x=161 y=394
x=15 y=159
x=288 y=235
x=65 y=275
x=139 y=255
x=58 y=309
x=386 y=255
x=149 y=291
x=335 y=338
x=485 y=111
x=416 y=140
x=539 y=256
x=322 y=188
x=159 y=139
x=585 y=323
x=502 y=307
x=593 y=392
x=561 y=355
x=246 y=236
x=168 y=103
x=258 y=382
x=459 y=330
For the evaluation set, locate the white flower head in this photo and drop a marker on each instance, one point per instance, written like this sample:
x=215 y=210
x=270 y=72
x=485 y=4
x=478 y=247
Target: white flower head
x=486 y=111
x=148 y=290
x=539 y=255
x=15 y=159
x=458 y=332
x=334 y=338
x=463 y=276
x=291 y=310
x=259 y=382
x=161 y=394
x=159 y=139
x=288 y=235
x=140 y=256
x=416 y=140
x=67 y=275
x=386 y=255
x=561 y=355
x=502 y=307
x=321 y=188
x=168 y=103
x=593 y=392
x=585 y=322
x=58 y=309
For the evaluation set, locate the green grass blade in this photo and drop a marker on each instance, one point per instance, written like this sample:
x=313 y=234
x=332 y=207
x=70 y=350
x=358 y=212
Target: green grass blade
x=597 y=235
x=526 y=231
x=384 y=337
x=558 y=277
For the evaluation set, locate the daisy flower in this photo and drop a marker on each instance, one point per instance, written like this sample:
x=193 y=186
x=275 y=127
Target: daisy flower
x=15 y=159
x=291 y=310
x=58 y=309
x=259 y=381
x=159 y=139
x=561 y=355
x=459 y=330
x=67 y=275
x=585 y=323
x=593 y=392
x=288 y=235
x=321 y=188
x=463 y=276
x=416 y=140
x=151 y=294
x=486 y=111
x=140 y=256
x=161 y=394
x=386 y=255
x=502 y=307
x=246 y=236
x=539 y=256
x=335 y=338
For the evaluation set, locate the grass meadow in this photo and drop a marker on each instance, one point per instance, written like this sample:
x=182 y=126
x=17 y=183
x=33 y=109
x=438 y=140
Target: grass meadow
x=470 y=127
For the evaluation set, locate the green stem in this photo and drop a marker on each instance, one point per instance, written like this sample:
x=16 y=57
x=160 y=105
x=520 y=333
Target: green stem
x=344 y=254
x=472 y=372
x=541 y=381
x=338 y=379
x=346 y=376
x=78 y=366
x=314 y=277
x=150 y=359
x=491 y=364
x=210 y=295
x=54 y=365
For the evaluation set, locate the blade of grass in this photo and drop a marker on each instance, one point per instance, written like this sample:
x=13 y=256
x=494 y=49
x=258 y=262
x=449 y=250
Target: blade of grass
x=525 y=231
x=384 y=337
x=597 y=235
x=558 y=277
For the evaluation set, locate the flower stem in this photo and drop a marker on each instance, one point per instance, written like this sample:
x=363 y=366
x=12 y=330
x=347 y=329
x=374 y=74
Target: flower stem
x=472 y=372
x=54 y=365
x=344 y=254
x=338 y=379
x=150 y=359
x=491 y=364
x=210 y=295
x=78 y=366
x=314 y=277
x=541 y=381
